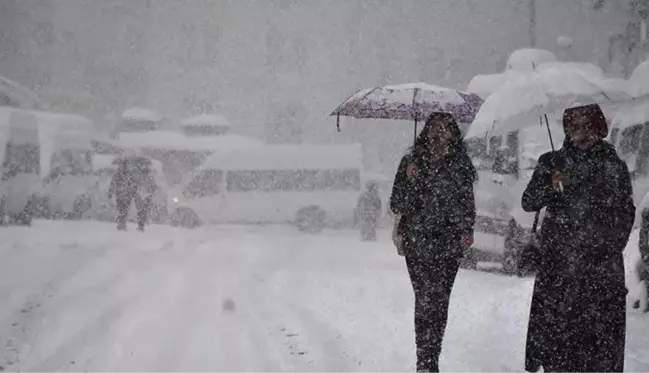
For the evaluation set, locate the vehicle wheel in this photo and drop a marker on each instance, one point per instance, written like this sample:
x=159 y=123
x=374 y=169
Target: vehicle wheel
x=24 y=217
x=42 y=208
x=185 y=217
x=311 y=219
x=81 y=205
x=159 y=213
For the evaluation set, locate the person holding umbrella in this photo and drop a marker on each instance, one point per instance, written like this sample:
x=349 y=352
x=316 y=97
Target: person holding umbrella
x=433 y=202
x=578 y=313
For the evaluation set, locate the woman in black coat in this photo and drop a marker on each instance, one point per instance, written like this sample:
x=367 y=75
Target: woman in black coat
x=433 y=200
x=578 y=313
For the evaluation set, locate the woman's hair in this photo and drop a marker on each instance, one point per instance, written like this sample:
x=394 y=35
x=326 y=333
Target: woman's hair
x=596 y=119
x=456 y=147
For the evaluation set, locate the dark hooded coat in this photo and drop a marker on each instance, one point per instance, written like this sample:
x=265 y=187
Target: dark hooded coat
x=439 y=204
x=578 y=312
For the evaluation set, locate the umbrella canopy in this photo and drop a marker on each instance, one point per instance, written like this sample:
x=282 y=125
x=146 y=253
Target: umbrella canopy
x=523 y=101
x=527 y=59
x=485 y=84
x=412 y=101
x=583 y=67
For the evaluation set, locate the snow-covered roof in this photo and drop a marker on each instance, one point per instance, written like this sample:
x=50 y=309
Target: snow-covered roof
x=207 y=120
x=288 y=157
x=527 y=59
x=177 y=141
x=49 y=121
x=141 y=114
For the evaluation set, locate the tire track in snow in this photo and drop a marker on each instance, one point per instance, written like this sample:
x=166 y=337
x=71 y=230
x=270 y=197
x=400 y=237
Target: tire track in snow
x=83 y=313
x=28 y=306
x=311 y=343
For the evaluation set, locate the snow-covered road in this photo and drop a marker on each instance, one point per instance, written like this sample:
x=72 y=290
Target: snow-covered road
x=80 y=296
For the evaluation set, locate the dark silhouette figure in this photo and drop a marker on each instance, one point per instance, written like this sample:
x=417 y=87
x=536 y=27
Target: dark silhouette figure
x=433 y=202
x=369 y=211
x=578 y=313
x=132 y=182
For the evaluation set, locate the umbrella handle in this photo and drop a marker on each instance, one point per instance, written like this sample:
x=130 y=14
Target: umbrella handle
x=338 y=122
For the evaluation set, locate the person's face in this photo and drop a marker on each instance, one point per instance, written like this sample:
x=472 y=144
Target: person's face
x=440 y=134
x=580 y=133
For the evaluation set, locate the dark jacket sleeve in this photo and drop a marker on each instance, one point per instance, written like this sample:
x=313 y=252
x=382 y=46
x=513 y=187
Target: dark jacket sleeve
x=539 y=192
x=401 y=200
x=466 y=197
x=614 y=219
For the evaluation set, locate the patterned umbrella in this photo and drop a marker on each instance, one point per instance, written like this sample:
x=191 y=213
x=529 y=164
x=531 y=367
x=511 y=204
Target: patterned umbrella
x=412 y=101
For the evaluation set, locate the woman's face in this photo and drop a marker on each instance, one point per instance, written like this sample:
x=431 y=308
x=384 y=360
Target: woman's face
x=440 y=133
x=580 y=132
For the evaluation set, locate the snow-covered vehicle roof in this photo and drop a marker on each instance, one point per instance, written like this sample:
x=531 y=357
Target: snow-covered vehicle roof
x=527 y=59
x=177 y=141
x=141 y=114
x=207 y=120
x=288 y=157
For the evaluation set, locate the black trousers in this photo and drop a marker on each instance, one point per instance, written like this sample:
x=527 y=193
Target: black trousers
x=143 y=205
x=432 y=281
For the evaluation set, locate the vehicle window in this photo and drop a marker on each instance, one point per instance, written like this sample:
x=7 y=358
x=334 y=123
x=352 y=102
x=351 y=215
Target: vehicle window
x=204 y=130
x=477 y=149
x=642 y=161
x=21 y=159
x=293 y=180
x=71 y=162
x=614 y=134
x=630 y=142
x=205 y=183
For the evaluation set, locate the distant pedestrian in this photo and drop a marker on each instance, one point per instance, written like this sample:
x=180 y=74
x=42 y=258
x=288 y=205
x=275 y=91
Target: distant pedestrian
x=369 y=211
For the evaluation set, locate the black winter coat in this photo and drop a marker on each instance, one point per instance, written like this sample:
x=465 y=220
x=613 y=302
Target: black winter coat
x=438 y=205
x=122 y=186
x=577 y=318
